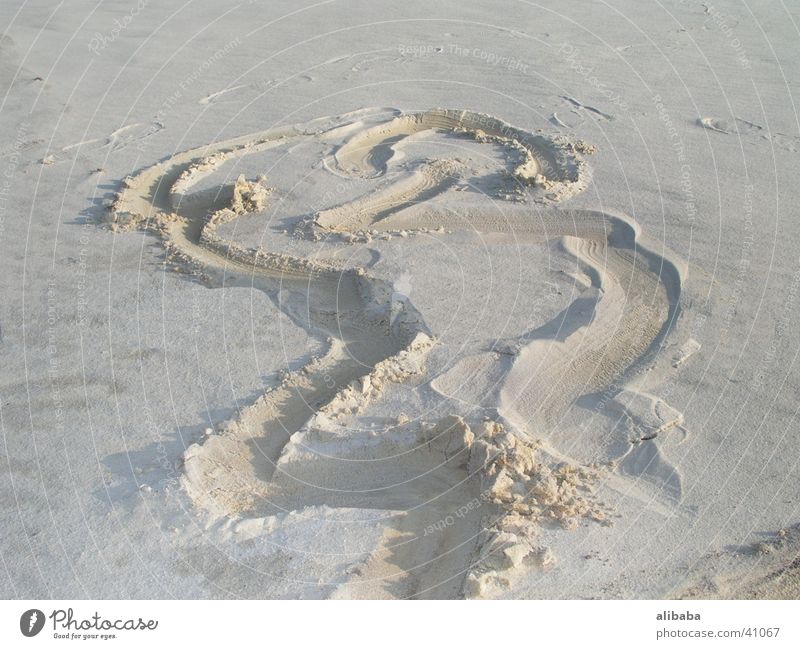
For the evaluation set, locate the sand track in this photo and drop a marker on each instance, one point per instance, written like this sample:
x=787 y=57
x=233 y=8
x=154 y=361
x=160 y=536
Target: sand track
x=292 y=448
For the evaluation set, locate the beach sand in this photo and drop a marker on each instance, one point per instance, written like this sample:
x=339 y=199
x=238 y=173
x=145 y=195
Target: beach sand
x=365 y=300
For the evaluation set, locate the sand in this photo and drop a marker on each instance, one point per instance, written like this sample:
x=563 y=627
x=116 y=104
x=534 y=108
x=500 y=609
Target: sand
x=440 y=308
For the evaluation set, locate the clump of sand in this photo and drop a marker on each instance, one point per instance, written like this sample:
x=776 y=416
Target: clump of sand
x=248 y=196
x=528 y=493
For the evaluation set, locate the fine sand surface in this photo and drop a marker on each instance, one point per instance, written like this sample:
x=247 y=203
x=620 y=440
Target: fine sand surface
x=357 y=300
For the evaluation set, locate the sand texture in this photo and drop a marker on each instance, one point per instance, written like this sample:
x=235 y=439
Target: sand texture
x=378 y=300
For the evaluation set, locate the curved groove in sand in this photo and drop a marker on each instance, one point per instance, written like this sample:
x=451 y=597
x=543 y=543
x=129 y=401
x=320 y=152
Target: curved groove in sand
x=271 y=459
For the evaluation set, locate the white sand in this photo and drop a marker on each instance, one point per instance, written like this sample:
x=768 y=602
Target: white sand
x=275 y=326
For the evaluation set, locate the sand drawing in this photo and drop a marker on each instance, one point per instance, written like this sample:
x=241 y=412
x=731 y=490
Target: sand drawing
x=460 y=498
